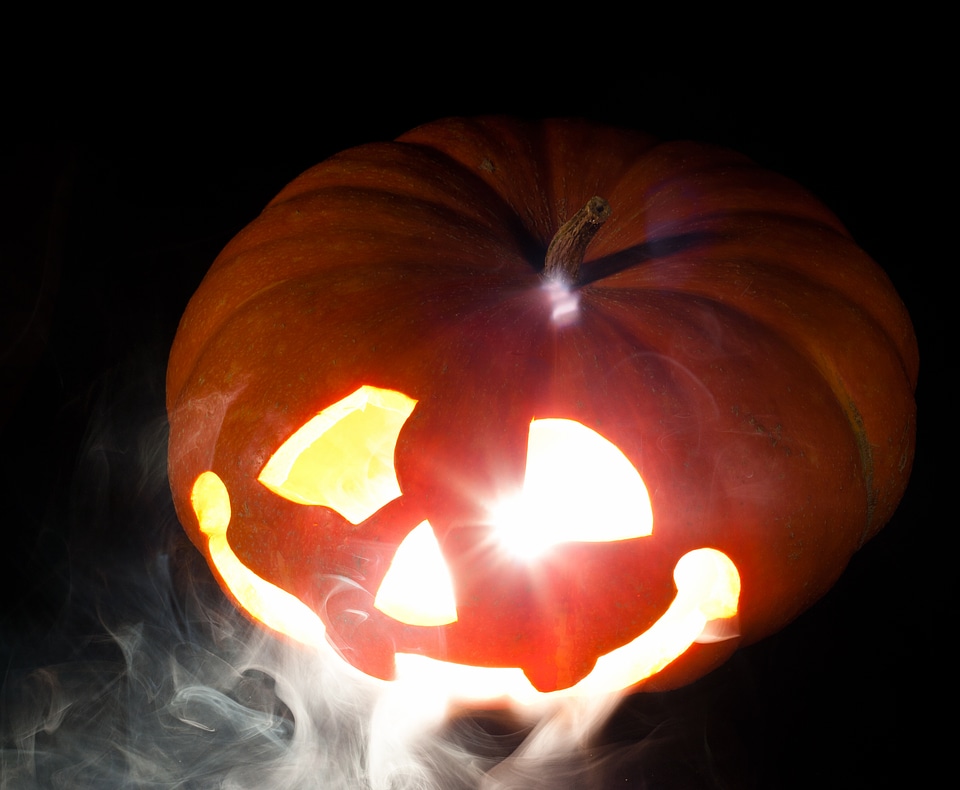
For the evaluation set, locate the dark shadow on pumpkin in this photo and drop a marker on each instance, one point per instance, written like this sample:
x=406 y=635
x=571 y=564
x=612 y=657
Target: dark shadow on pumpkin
x=597 y=269
x=664 y=247
x=530 y=247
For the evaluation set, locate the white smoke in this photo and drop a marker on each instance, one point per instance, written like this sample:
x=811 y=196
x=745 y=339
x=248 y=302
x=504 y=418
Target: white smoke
x=200 y=698
x=154 y=680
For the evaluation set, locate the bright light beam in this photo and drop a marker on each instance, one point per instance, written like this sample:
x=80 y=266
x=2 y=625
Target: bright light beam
x=578 y=486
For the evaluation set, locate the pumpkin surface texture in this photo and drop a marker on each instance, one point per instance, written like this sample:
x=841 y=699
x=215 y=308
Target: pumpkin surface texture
x=400 y=426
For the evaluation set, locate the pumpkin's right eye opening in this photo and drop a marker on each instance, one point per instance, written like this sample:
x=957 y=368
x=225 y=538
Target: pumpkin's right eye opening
x=343 y=457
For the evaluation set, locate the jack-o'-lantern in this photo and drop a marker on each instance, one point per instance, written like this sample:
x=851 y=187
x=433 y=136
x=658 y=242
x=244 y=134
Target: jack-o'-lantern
x=538 y=407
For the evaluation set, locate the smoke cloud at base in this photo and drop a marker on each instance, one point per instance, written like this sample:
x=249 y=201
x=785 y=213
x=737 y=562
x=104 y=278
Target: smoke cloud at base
x=238 y=710
x=148 y=676
x=201 y=698
x=126 y=666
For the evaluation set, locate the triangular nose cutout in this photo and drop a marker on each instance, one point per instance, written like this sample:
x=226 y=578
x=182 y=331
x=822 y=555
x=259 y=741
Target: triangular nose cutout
x=417 y=589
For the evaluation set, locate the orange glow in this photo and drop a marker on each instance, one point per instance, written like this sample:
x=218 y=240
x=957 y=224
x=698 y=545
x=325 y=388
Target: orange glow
x=343 y=457
x=417 y=589
x=708 y=588
x=578 y=486
x=275 y=608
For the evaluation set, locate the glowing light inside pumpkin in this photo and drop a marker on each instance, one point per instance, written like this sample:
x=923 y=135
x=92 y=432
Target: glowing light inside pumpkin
x=275 y=608
x=708 y=588
x=578 y=486
x=417 y=588
x=343 y=457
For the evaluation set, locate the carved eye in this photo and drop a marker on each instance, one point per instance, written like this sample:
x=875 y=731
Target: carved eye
x=577 y=487
x=343 y=457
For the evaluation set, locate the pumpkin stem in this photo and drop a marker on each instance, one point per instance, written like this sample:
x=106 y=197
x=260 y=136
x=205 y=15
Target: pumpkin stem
x=569 y=245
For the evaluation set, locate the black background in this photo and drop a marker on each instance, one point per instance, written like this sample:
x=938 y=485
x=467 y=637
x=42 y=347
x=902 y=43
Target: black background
x=111 y=221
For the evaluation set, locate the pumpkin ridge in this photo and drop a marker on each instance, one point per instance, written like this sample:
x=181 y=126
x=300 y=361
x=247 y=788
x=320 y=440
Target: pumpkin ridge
x=827 y=366
x=534 y=244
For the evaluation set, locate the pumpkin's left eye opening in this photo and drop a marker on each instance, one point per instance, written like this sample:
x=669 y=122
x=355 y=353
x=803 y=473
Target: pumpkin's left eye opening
x=343 y=457
x=578 y=487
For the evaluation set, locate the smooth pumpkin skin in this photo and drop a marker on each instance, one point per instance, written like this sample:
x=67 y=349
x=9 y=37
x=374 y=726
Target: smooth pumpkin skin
x=752 y=362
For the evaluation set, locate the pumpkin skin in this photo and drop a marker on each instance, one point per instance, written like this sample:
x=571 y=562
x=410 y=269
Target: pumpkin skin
x=753 y=364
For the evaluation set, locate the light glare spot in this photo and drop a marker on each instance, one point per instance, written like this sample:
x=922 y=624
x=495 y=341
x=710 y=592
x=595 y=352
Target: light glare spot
x=577 y=487
x=565 y=303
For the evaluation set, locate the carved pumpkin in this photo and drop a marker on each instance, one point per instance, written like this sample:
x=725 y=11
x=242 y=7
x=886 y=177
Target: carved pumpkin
x=392 y=430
